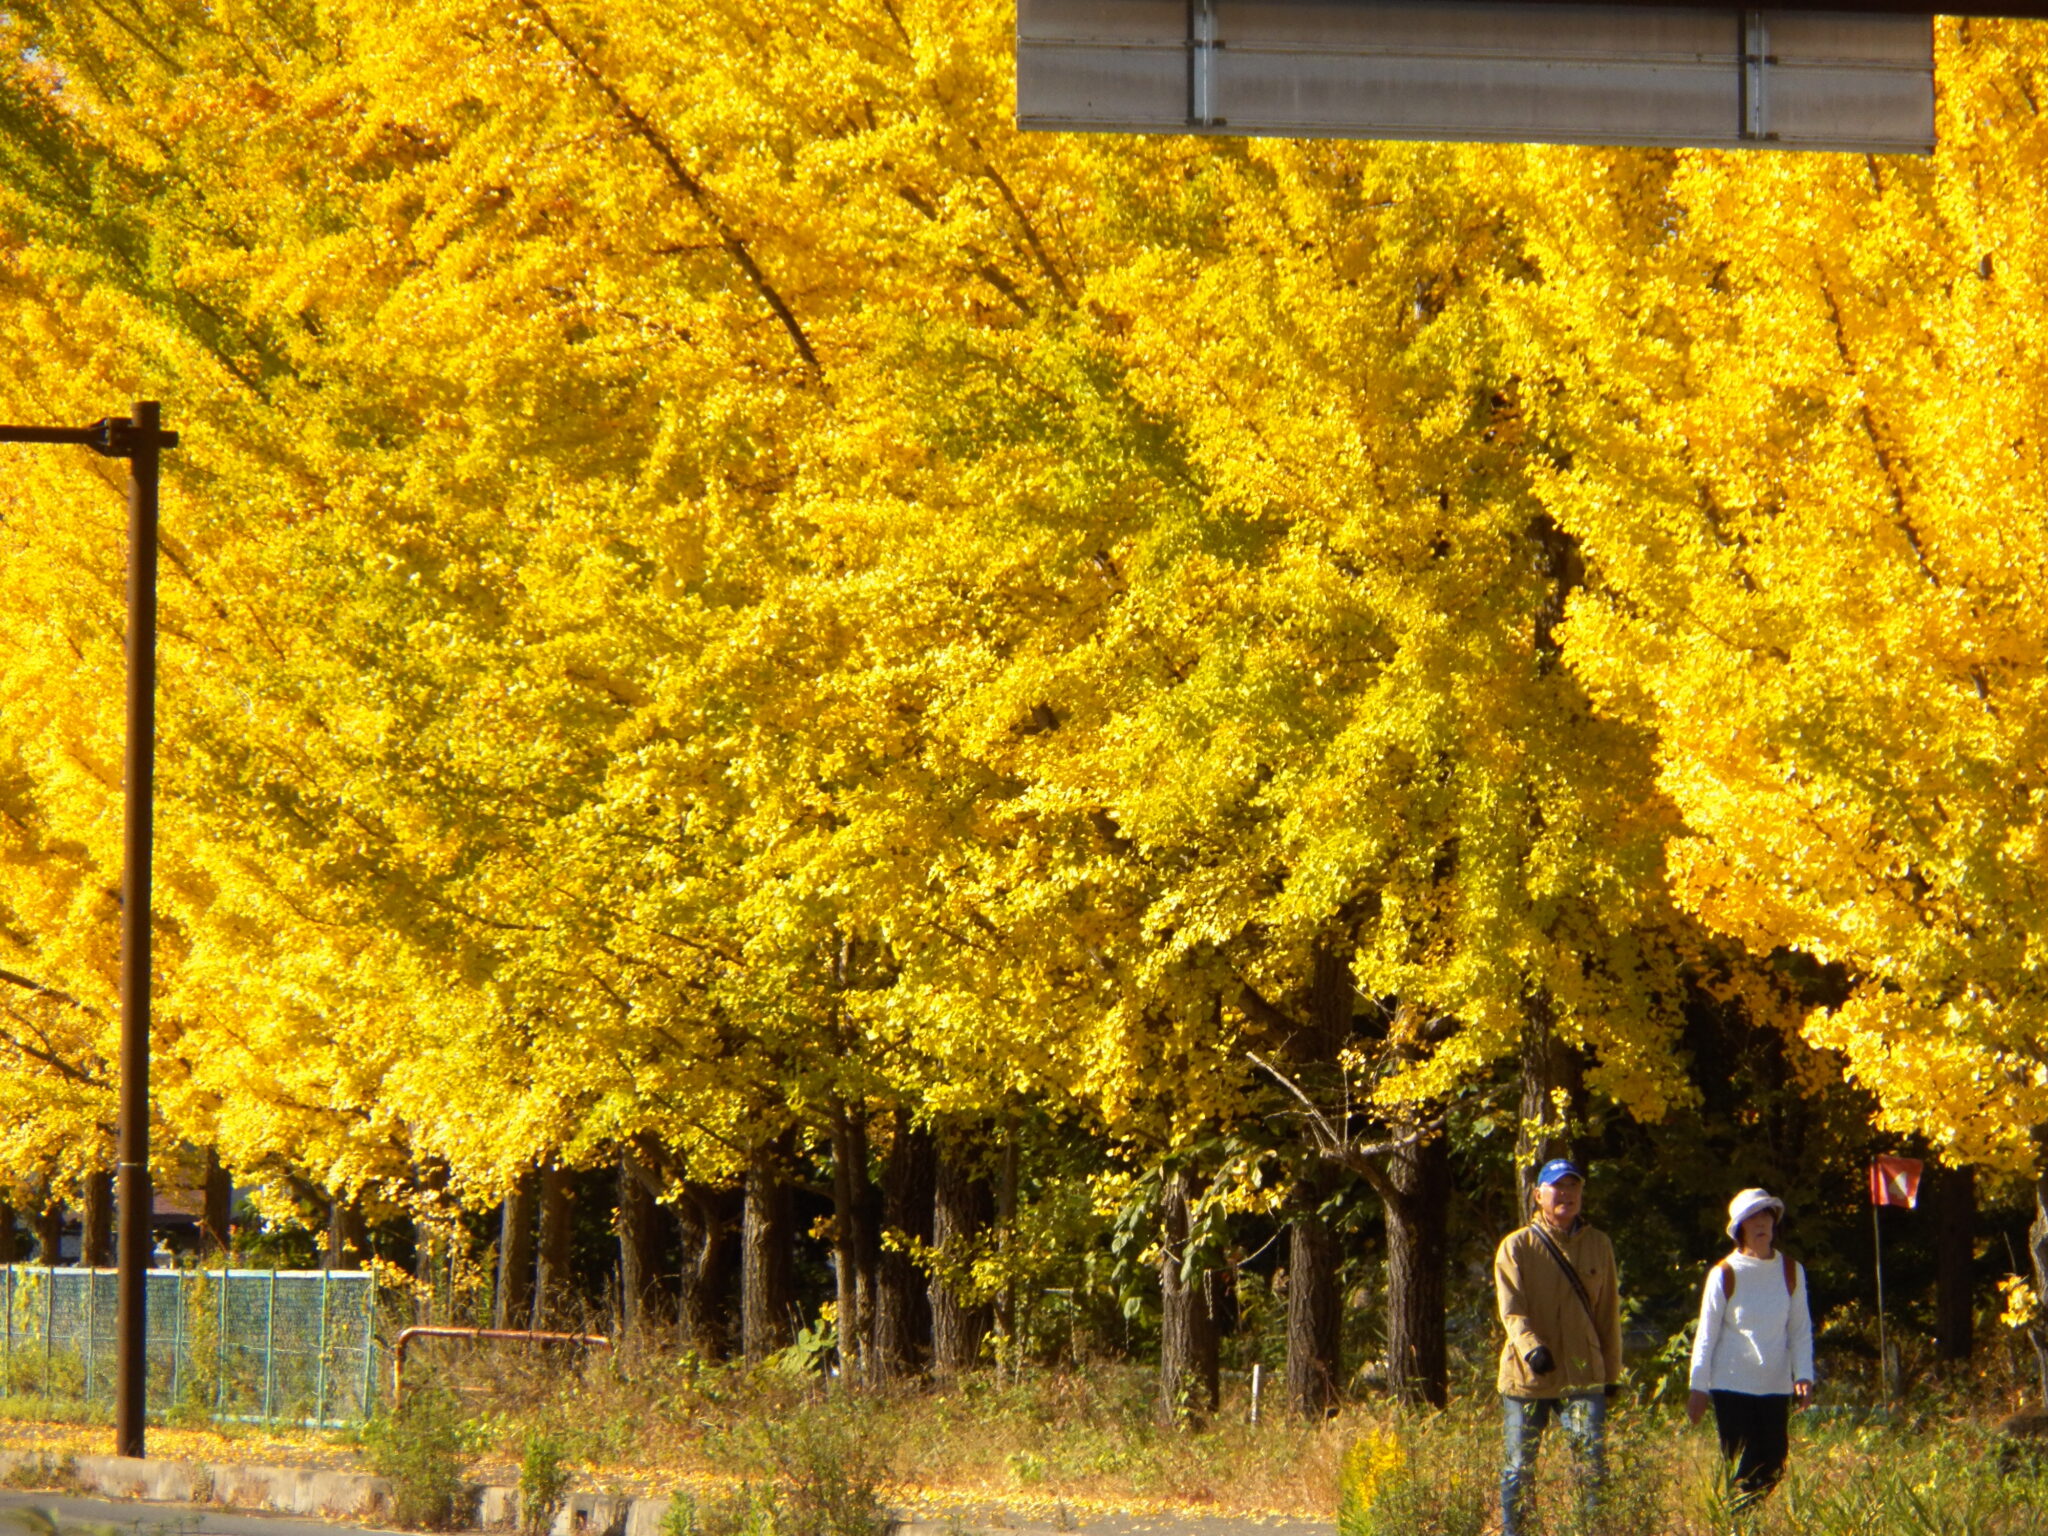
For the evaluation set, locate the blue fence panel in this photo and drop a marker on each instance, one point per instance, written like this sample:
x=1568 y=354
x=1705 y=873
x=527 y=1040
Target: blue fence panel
x=292 y=1345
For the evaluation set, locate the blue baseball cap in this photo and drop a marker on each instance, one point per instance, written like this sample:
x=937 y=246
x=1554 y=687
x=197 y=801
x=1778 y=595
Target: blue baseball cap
x=1560 y=1168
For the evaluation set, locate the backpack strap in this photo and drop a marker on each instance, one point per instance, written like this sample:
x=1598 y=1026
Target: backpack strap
x=1727 y=1273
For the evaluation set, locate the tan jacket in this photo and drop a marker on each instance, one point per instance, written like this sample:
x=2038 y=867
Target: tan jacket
x=1538 y=1306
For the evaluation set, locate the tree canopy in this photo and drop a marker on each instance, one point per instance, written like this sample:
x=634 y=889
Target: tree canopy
x=717 y=596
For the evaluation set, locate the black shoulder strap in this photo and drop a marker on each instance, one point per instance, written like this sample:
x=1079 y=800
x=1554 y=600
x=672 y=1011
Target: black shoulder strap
x=1578 y=1286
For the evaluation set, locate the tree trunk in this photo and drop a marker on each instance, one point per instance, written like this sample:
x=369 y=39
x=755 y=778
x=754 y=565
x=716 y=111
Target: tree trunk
x=709 y=1270
x=768 y=1252
x=516 y=1256
x=903 y=1318
x=348 y=1238
x=1314 y=1309
x=1550 y=1069
x=433 y=1248
x=1008 y=1349
x=10 y=1247
x=551 y=1278
x=703 y=1306
x=962 y=1208
x=96 y=1228
x=216 y=1226
x=1955 y=1264
x=1418 y=1251
x=638 y=1223
x=1188 y=1375
x=856 y=1244
x=1558 y=557
x=429 y=1266
x=868 y=1256
x=2037 y=1248
x=50 y=1232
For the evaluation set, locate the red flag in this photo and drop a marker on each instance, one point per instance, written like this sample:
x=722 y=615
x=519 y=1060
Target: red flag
x=1895 y=1181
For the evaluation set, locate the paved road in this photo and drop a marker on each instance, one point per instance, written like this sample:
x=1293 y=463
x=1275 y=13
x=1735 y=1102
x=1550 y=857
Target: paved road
x=1117 y=1525
x=63 y=1514
x=995 y=1520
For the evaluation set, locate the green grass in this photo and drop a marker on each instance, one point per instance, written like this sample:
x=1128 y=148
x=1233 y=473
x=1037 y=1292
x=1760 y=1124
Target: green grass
x=770 y=1450
x=1435 y=1476
x=1075 y=1440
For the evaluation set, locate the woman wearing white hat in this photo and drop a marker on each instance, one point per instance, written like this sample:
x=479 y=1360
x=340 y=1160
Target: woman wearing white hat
x=1753 y=1354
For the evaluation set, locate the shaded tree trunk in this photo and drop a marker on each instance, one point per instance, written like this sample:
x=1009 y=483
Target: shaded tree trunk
x=1559 y=558
x=1418 y=1252
x=551 y=1278
x=429 y=1264
x=1550 y=1069
x=433 y=1252
x=516 y=1254
x=1006 y=1224
x=348 y=1237
x=10 y=1247
x=1313 y=1303
x=50 y=1231
x=2037 y=1249
x=1314 y=1307
x=1955 y=1264
x=638 y=1224
x=216 y=1222
x=96 y=1231
x=903 y=1319
x=768 y=1252
x=1314 y=1310
x=962 y=1208
x=703 y=1304
x=856 y=1244
x=1188 y=1365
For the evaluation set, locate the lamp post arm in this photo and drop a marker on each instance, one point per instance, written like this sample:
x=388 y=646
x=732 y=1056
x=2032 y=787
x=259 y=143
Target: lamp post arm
x=111 y=437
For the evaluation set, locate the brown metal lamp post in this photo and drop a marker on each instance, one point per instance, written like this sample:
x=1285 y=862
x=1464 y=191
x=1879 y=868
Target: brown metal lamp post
x=140 y=439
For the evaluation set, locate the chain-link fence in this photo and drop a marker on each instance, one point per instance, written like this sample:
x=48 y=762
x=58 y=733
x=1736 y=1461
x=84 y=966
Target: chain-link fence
x=296 y=1346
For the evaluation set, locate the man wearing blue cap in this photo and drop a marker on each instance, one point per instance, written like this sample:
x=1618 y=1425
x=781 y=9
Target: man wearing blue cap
x=1560 y=1303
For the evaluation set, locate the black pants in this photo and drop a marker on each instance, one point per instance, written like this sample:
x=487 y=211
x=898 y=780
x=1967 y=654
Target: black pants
x=1755 y=1435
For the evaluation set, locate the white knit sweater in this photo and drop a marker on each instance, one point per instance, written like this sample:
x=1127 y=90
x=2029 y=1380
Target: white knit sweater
x=1758 y=1340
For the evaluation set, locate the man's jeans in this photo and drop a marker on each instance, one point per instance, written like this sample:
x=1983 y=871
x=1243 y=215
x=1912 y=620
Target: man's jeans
x=1584 y=1420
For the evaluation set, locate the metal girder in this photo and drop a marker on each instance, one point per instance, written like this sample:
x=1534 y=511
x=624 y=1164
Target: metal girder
x=1545 y=71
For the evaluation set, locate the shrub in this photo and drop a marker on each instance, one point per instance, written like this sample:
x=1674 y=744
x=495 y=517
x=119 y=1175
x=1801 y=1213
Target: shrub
x=421 y=1448
x=543 y=1483
x=741 y=1513
x=44 y=1472
x=1429 y=1477
x=1941 y=1491
x=818 y=1472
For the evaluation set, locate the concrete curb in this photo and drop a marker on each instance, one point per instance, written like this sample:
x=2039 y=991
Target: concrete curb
x=223 y=1485
x=322 y=1495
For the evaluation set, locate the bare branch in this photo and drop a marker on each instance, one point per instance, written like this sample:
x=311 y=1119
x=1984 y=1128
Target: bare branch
x=1256 y=1007
x=29 y=985
x=1337 y=1146
x=1326 y=1133
x=53 y=1061
x=644 y=129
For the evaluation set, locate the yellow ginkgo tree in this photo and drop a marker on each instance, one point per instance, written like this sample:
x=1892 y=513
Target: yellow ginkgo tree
x=1798 y=434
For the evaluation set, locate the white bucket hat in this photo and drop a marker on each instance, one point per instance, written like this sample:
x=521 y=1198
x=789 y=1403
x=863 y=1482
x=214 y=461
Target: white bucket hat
x=1747 y=1204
